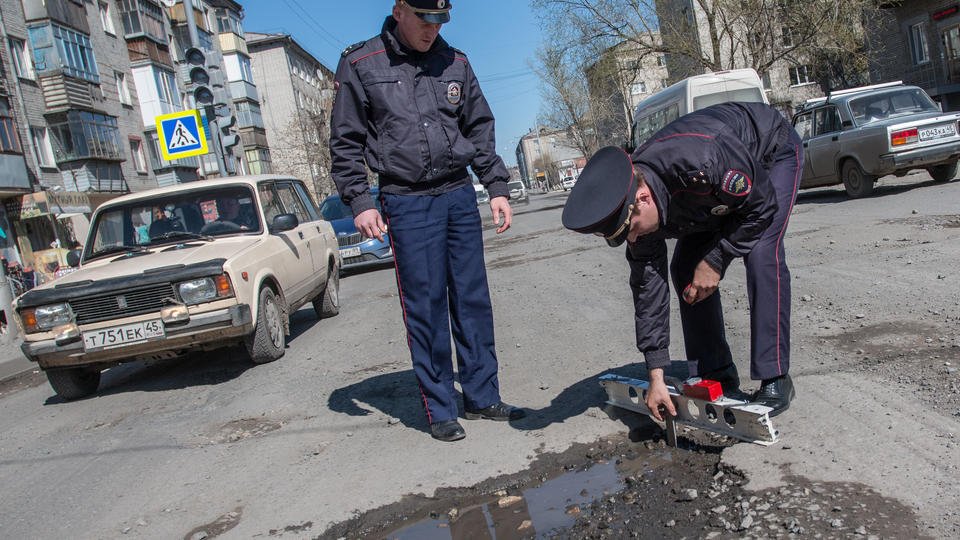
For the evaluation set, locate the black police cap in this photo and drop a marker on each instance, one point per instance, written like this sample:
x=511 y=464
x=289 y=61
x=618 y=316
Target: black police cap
x=431 y=11
x=602 y=199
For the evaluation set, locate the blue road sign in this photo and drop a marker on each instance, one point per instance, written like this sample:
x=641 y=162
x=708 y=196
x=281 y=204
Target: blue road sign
x=181 y=134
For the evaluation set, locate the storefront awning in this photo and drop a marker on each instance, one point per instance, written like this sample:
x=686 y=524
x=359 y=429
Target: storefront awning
x=59 y=204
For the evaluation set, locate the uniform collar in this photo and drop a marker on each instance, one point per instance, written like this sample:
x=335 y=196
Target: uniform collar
x=389 y=35
x=659 y=191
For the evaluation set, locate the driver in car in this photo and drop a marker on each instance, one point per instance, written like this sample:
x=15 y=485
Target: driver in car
x=229 y=210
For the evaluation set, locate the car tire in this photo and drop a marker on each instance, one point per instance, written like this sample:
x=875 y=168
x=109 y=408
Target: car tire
x=328 y=303
x=74 y=383
x=268 y=340
x=943 y=173
x=857 y=183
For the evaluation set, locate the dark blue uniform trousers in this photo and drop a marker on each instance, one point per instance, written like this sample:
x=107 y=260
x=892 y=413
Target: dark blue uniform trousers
x=768 y=286
x=438 y=248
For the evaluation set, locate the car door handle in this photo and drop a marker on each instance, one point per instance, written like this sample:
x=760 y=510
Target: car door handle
x=805 y=144
x=834 y=138
x=301 y=234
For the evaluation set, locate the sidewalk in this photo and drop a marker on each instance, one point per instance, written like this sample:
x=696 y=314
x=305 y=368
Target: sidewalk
x=12 y=361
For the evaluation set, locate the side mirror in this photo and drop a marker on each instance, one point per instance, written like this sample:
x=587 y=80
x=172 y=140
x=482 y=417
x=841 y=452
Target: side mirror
x=73 y=258
x=284 y=222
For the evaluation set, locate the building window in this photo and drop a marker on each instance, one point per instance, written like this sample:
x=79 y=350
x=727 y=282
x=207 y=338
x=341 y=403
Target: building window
x=123 y=89
x=42 y=147
x=166 y=86
x=237 y=68
x=661 y=61
x=918 y=43
x=800 y=75
x=9 y=141
x=56 y=47
x=787 y=36
x=22 y=63
x=106 y=19
x=84 y=135
x=638 y=88
x=258 y=161
x=136 y=154
x=248 y=114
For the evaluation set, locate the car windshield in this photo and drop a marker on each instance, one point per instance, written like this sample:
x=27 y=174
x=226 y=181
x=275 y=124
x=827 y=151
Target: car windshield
x=175 y=217
x=333 y=208
x=880 y=106
x=515 y=185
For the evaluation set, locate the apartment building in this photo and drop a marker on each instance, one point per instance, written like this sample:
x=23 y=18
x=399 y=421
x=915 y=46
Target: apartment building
x=545 y=156
x=67 y=77
x=296 y=93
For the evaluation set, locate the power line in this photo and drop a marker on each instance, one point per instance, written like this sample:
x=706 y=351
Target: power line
x=325 y=34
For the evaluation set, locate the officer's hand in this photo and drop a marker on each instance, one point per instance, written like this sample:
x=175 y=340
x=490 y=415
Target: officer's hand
x=370 y=224
x=501 y=205
x=706 y=280
x=657 y=395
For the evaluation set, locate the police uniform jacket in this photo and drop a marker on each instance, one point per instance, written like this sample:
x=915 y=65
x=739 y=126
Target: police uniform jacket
x=707 y=171
x=418 y=119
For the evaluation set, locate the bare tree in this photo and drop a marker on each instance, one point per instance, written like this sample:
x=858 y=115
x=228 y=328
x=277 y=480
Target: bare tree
x=734 y=33
x=566 y=98
x=304 y=151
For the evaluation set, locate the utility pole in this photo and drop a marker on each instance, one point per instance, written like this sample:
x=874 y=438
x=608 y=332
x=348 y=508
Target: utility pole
x=205 y=78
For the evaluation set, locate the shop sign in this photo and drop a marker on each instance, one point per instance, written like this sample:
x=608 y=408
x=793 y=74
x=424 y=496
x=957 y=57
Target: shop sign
x=47 y=203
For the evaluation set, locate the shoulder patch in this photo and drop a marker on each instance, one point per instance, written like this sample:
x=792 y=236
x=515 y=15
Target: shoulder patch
x=353 y=47
x=736 y=183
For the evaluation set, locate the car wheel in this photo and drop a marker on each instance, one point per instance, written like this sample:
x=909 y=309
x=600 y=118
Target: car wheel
x=74 y=383
x=268 y=340
x=943 y=173
x=328 y=303
x=857 y=183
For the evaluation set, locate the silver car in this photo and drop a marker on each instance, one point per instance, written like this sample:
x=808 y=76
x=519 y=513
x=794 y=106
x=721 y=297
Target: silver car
x=858 y=135
x=518 y=193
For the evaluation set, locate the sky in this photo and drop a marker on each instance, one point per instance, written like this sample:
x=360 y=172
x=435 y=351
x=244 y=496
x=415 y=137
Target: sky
x=500 y=37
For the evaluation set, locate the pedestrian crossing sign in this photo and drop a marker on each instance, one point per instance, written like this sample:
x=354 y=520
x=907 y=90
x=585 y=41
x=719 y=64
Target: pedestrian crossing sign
x=181 y=134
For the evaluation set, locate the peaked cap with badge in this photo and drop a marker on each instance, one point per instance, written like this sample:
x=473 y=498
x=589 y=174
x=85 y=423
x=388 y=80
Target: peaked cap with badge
x=431 y=11
x=601 y=200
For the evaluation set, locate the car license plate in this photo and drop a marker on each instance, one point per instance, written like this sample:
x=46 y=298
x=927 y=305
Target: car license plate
x=937 y=132
x=122 y=335
x=350 y=252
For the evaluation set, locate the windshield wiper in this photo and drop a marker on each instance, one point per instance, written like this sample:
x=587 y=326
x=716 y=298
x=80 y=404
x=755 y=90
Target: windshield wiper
x=181 y=234
x=120 y=248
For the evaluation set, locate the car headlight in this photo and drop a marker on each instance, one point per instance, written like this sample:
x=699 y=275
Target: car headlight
x=46 y=317
x=205 y=289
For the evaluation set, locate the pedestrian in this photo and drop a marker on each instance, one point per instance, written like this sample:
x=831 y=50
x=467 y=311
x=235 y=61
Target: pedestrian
x=409 y=106
x=722 y=181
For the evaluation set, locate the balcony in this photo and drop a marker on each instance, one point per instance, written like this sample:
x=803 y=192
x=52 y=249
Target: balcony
x=142 y=18
x=85 y=135
x=242 y=90
x=251 y=137
x=61 y=93
x=230 y=43
x=144 y=50
x=13 y=174
x=72 y=14
x=178 y=16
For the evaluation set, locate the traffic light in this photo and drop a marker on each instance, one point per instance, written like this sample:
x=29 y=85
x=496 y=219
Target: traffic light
x=202 y=78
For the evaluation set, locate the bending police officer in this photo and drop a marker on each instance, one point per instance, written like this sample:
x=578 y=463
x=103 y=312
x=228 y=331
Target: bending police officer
x=410 y=106
x=723 y=181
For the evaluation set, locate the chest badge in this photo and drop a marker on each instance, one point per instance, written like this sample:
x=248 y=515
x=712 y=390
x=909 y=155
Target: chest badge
x=720 y=210
x=453 y=93
x=736 y=183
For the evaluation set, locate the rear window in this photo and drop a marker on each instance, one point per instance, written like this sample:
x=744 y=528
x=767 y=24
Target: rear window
x=880 y=106
x=754 y=95
x=515 y=185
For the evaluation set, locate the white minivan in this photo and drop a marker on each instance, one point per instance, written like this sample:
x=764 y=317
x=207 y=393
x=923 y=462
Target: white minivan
x=691 y=94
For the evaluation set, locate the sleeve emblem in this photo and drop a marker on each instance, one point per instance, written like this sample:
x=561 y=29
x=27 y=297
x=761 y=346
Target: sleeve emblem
x=736 y=183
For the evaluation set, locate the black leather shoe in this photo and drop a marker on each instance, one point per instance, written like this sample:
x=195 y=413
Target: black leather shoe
x=498 y=411
x=447 y=431
x=775 y=393
x=729 y=381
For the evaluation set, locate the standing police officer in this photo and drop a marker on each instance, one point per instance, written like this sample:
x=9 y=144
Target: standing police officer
x=411 y=107
x=723 y=181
